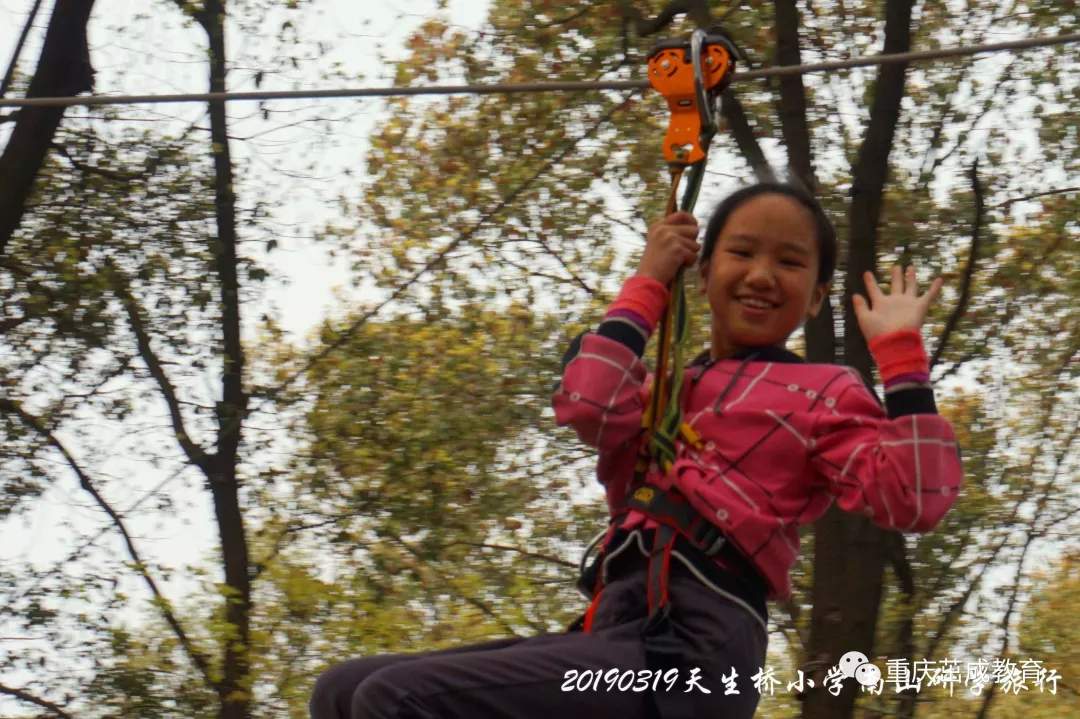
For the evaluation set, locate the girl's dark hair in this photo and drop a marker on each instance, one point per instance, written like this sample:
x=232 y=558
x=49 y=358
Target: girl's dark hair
x=825 y=232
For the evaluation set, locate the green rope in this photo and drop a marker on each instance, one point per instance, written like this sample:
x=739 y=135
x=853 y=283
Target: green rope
x=665 y=432
x=662 y=442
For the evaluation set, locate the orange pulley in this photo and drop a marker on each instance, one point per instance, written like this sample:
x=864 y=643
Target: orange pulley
x=690 y=74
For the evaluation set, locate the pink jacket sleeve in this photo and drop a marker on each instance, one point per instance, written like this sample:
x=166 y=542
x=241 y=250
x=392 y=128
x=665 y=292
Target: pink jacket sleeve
x=904 y=473
x=602 y=393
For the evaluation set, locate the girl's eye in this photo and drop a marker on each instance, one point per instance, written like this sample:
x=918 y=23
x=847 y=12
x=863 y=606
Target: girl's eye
x=739 y=253
x=792 y=263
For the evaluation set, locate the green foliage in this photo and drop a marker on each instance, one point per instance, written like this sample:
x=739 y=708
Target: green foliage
x=426 y=507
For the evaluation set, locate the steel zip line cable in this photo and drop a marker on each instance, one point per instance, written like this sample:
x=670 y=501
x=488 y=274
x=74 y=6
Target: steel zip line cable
x=584 y=86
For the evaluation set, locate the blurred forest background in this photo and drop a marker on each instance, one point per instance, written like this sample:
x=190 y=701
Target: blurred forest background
x=394 y=481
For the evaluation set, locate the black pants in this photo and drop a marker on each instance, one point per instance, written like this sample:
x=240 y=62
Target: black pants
x=565 y=676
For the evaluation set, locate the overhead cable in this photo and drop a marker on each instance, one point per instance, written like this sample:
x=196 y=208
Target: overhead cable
x=533 y=87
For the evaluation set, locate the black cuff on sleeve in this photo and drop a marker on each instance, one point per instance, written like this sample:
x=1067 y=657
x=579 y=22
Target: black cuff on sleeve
x=625 y=332
x=916 y=400
x=572 y=351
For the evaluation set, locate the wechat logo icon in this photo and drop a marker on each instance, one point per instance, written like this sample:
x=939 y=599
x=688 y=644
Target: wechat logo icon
x=854 y=665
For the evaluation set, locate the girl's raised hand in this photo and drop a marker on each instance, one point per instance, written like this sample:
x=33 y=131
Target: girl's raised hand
x=902 y=309
x=670 y=244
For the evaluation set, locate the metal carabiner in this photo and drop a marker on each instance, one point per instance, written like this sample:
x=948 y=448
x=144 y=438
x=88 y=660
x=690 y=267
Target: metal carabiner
x=705 y=99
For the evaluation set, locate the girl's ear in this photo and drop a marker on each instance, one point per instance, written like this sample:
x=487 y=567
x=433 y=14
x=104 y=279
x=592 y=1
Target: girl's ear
x=821 y=291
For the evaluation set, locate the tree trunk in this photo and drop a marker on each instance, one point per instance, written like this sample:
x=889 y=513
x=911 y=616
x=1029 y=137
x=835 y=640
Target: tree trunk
x=234 y=688
x=63 y=69
x=739 y=126
x=905 y=639
x=850 y=551
x=820 y=332
x=792 y=109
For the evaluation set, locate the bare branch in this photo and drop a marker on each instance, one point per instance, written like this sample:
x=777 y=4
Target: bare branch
x=739 y=125
x=988 y=698
x=1045 y=531
x=11 y=323
x=929 y=167
x=568 y=19
x=161 y=602
x=442 y=254
x=484 y=608
x=532 y=272
x=25 y=696
x=1025 y=198
x=189 y=9
x=80 y=550
x=985 y=563
x=963 y=137
x=1008 y=74
x=5 y=85
x=696 y=10
x=791 y=626
x=91 y=170
x=121 y=286
x=630 y=226
x=122 y=366
x=279 y=542
x=524 y=552
x=969 y=271
x=957 y=607
x=954 y=367
x=580 y=282
x=1033 y=533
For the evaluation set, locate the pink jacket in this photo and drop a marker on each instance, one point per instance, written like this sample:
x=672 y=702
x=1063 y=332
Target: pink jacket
x=785 y=439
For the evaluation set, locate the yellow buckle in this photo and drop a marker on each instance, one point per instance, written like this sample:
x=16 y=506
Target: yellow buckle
x=690 y=435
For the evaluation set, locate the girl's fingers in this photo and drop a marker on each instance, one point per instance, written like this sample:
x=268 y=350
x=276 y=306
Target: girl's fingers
x=694 y=250
x=681 y=218
x=677 y=233
x=689 y=246
x=904 y=283
x=872 y=289
x=935 y=290
x=896 y=286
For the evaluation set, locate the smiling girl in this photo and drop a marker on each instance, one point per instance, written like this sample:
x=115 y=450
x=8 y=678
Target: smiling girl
x=769 y=441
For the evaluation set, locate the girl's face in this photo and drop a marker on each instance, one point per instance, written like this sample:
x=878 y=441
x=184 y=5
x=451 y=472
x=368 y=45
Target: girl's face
x=761 y=279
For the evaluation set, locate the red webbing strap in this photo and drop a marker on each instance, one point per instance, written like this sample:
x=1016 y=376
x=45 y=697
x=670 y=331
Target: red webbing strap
x=660 y=568
x=591 y=611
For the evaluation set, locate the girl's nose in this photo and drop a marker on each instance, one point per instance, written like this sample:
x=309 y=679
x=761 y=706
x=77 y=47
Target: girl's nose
x=760 y=274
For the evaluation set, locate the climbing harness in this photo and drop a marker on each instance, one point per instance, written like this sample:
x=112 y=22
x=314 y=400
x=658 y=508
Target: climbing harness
x=690 y=75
